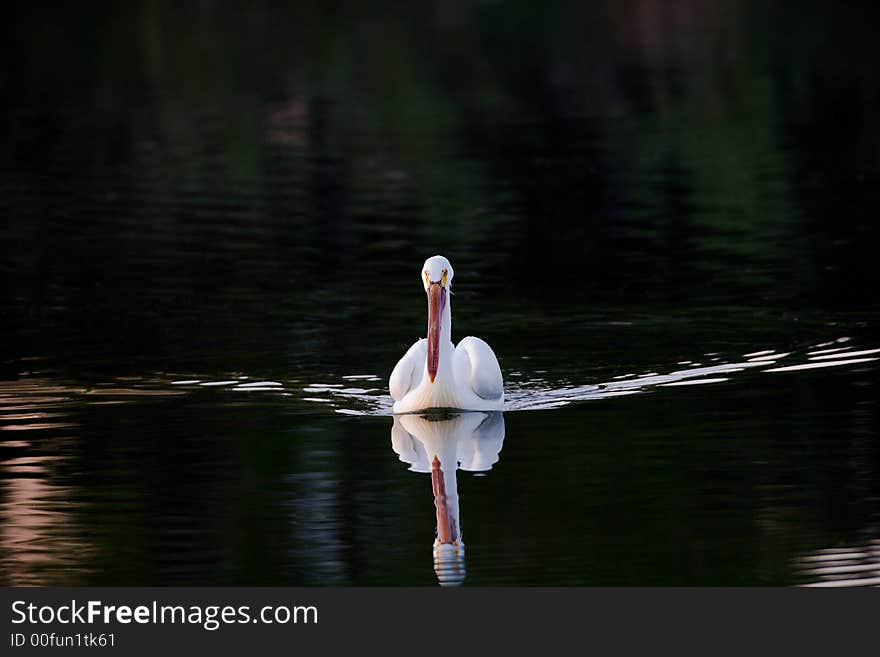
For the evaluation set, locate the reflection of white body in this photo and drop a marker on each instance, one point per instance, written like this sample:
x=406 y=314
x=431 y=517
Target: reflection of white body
x=441 y=445
x=435 y=374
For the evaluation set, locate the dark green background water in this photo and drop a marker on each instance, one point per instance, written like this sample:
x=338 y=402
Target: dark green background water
x=624 y=188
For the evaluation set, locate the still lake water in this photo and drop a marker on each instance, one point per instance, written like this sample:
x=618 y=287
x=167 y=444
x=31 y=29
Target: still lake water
x=665 y=224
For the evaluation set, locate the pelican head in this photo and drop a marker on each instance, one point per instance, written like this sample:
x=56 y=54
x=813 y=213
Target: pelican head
x=437 y=270
x=437 y=278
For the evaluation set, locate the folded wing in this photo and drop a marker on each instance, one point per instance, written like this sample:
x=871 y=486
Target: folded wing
x=475 y=363
x=407 y=374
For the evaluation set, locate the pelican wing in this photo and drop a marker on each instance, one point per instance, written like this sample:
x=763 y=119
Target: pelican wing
x=475 y=363
x=408 y=372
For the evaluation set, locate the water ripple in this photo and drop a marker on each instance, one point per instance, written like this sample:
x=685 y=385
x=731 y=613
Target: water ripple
x=524 y=390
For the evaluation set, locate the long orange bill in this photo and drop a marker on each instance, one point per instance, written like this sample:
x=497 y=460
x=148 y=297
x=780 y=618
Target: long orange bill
x=436 y=304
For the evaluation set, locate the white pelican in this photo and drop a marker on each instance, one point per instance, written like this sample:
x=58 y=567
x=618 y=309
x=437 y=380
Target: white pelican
x=433 y=373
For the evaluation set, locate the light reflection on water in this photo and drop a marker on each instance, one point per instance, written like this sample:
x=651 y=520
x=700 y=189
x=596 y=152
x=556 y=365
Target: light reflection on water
x=34 y=545
x=36 y=540
x=849 y=565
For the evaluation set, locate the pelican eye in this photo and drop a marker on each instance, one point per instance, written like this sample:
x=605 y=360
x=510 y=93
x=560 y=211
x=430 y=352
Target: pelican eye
x=443 y=280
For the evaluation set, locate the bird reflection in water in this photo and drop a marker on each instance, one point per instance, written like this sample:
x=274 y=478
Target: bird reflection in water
x=441 y=443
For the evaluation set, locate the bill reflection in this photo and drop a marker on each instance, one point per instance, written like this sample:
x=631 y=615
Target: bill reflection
x=440 y=444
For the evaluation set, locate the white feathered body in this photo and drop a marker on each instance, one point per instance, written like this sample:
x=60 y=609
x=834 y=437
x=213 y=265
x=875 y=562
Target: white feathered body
x=468 y=378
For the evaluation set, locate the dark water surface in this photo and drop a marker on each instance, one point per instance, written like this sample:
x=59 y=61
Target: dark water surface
x=663 y=220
